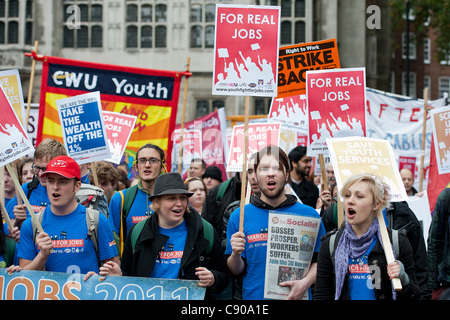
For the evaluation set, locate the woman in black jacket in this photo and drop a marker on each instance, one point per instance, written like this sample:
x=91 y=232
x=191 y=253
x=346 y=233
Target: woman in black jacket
x=172 y=243
x=355 y=267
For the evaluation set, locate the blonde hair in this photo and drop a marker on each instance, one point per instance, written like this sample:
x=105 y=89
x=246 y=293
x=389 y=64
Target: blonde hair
x=379 y=188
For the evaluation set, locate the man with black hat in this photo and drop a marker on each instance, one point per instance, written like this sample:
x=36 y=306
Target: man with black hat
x=212 y=177
x=173 y=243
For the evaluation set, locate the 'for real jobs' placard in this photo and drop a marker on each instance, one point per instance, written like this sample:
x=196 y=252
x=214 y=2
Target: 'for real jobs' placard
x=83 y=127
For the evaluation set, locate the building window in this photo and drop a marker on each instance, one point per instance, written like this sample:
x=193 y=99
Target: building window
x=262 y=106
x=412 y=45
x=28 y=22
x=427 y=51
x=444 y=86
x=205 y=106
x=297 y=20
x=146 y=24
x=202 y=18
x=88 y=31
x=9 y=21
x=427 y=84
x=412 y=84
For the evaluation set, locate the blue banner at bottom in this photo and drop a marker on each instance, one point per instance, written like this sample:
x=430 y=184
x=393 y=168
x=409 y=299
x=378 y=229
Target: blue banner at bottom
x=42 y=285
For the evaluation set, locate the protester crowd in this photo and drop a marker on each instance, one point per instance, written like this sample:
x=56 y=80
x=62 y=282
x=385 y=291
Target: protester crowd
x=163 y=225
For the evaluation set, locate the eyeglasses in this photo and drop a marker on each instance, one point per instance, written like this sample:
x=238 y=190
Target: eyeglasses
x=151 y=160
x=36 y=169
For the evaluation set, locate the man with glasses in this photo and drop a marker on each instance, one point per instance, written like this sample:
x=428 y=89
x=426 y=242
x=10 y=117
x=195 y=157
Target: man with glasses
x=132 y=205
x=36 y=189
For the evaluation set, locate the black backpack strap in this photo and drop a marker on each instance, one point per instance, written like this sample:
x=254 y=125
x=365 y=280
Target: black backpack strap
x=32 y=185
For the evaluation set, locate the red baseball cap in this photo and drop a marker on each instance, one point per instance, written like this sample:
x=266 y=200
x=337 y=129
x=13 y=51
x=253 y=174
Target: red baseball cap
x=64 y=166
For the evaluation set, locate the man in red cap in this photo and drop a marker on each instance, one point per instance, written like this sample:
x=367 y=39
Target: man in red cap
x=65 y=228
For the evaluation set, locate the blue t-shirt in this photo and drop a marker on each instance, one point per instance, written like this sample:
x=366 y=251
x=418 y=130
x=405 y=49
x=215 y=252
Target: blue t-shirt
x=360 y=280
x=168 y=262
x=73 y=250
x=140 y=210
x=256 y=223
x=38 y=200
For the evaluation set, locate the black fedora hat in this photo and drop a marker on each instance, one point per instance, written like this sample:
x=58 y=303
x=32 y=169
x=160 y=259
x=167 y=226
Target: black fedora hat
x=169 y=183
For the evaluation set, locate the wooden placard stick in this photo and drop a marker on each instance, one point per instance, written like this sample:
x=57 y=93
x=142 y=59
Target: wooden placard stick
x=323 y=172
x=25 y=199
x=340 y=211
x=94 y=173
x=244 y=165
x=16 y=169
x=30 y=88
x=396 y=283
x=424 y=130
x=183 y=114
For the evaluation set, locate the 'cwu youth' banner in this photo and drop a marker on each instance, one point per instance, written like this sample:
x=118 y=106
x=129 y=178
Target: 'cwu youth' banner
x=150 y=95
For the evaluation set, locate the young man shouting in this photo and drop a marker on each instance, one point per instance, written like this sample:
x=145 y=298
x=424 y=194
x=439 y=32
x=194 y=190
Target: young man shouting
x=65 y=228
x=272 y=171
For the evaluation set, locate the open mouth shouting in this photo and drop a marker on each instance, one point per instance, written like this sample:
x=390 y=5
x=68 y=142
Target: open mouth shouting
x=351 y=213
x=56 y=196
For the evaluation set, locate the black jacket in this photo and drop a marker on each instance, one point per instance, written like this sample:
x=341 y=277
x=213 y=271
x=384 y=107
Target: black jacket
x=149 y=243
x=399 y=217
x=326 y=283
x=214 y=208
x=307 y=192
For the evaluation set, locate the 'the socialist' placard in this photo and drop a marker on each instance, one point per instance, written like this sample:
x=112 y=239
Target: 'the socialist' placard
x=246 y=50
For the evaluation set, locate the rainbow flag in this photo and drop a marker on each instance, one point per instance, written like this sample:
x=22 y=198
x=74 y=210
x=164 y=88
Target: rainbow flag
x=150 y=95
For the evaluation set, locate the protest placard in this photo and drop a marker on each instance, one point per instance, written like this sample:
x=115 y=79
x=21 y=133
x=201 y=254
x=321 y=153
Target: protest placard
x=290 y=246
x=83 y=127
x=408 y=163
x=441 y=135
x=421 y=208
x=213 y=128
x=292 y=112
x=14 y=142
x=118 y=128
x=192 y=148
x=10 y=81
x=294 y=61
x=246 y=50
x=43 y=285
x=260 y=135
x=355 y=155
x=336 y=105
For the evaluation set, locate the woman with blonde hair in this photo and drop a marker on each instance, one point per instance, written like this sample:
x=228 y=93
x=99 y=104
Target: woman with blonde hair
x=351 y=262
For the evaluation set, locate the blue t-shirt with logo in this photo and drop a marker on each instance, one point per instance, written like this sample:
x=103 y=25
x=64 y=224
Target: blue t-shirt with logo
x=140 y=210
x=168 y=262
x=360 y=280
x=74 y=251
x=256 y=223
x=38 y=200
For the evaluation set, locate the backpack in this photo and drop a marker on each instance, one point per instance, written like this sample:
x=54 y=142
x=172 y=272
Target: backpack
x=93 y=197
x=226 y=216
x=333 y=244
x=92 y=217
x=208 y=233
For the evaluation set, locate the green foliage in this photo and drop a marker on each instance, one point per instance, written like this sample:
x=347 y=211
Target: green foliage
x=438 y=14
